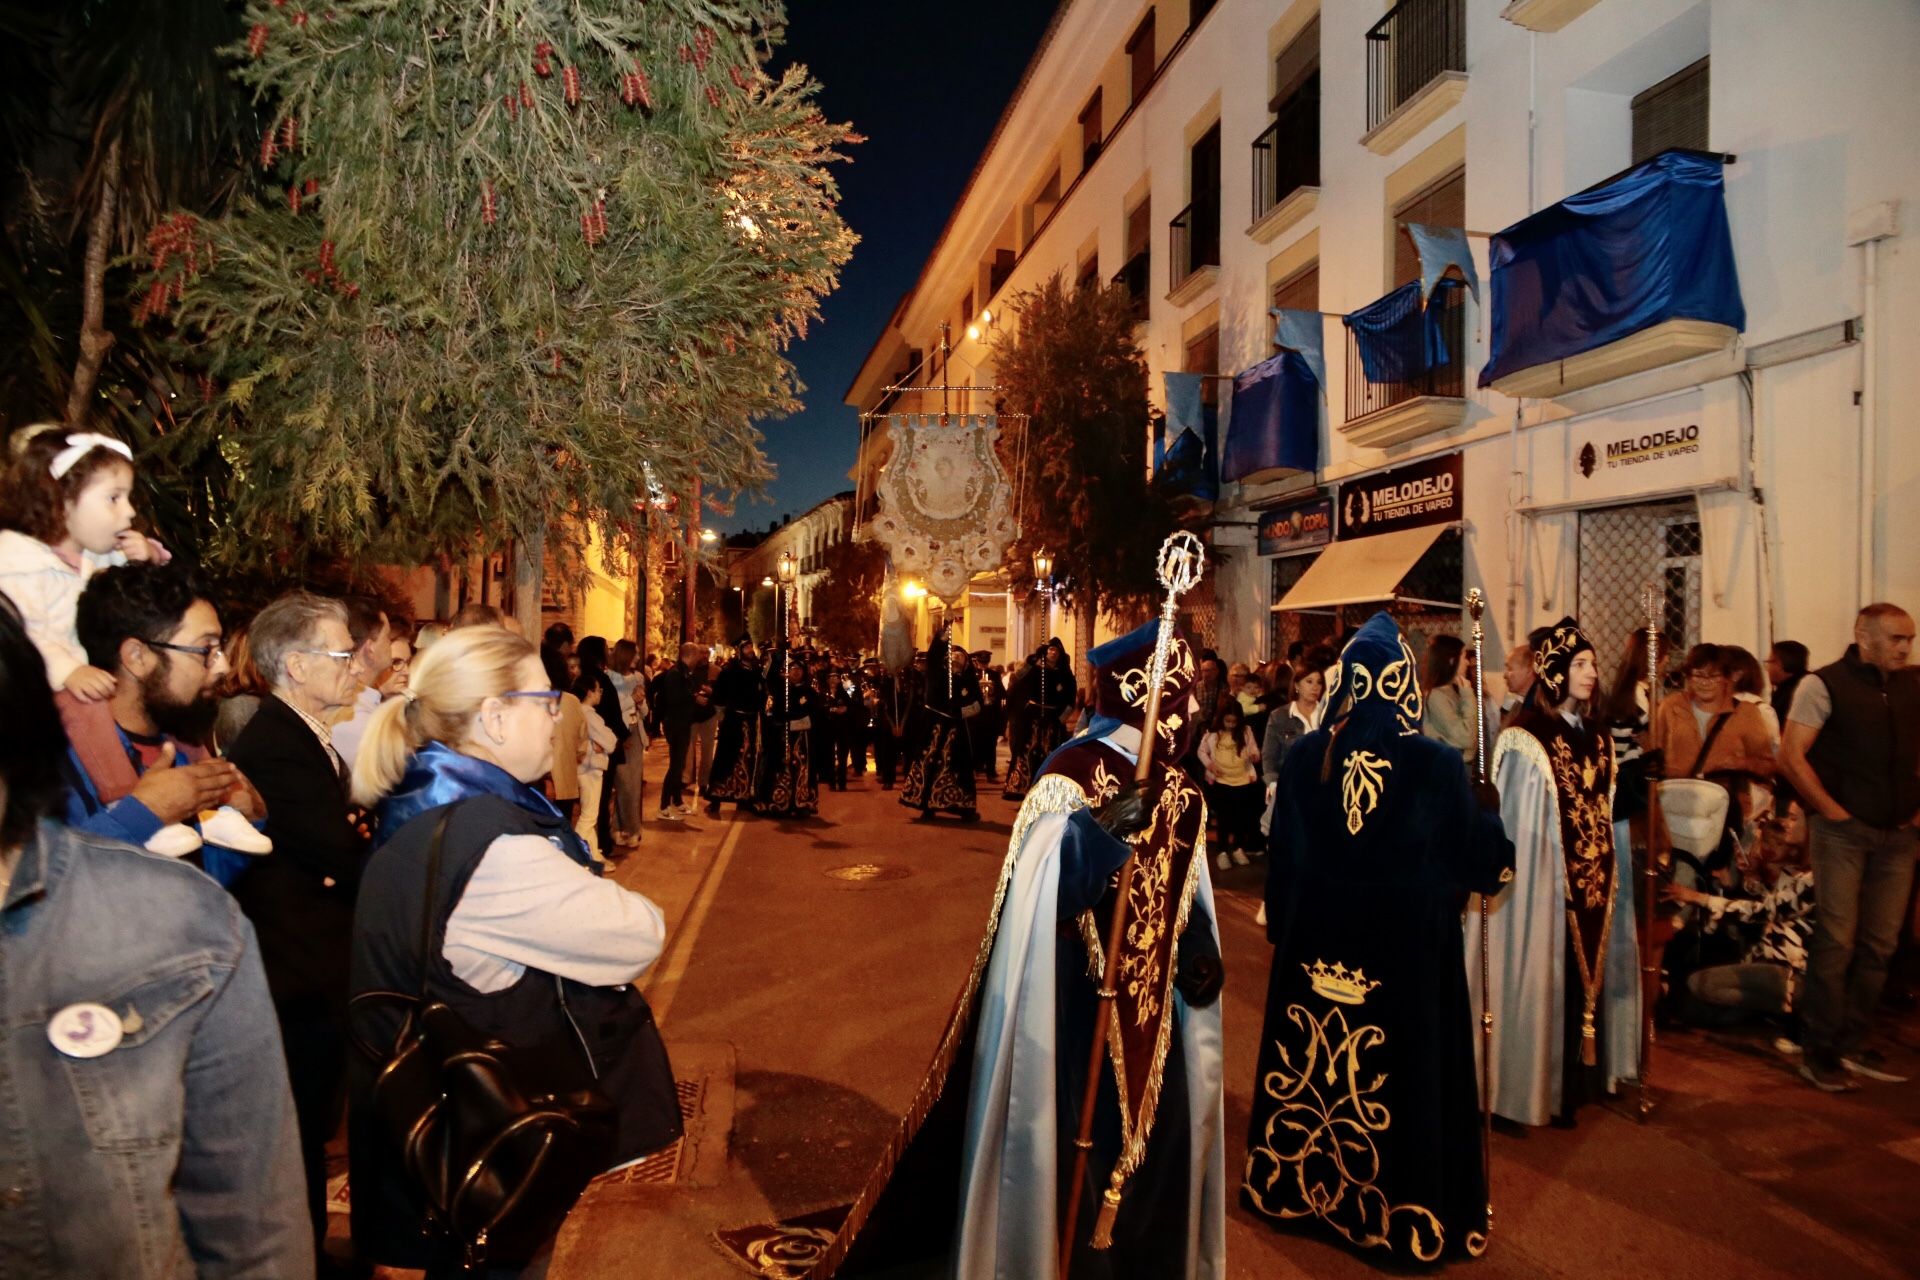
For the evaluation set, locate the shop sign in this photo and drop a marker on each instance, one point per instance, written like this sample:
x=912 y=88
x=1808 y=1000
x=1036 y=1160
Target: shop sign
x=1420 y=493
x=1667 y=445
x=1299 y=527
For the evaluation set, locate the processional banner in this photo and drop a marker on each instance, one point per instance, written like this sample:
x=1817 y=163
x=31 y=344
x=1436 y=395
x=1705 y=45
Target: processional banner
x=944 y=500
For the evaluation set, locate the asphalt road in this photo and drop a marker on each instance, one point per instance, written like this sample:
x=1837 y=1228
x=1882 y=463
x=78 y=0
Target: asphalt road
x=808 y=998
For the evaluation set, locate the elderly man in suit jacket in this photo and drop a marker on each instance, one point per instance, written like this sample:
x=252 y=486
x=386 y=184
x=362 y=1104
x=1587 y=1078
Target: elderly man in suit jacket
x=300 y=897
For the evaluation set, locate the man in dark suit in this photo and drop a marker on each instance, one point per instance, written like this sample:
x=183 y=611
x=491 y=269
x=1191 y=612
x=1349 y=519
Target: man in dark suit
x=300 y=896
x=676 y=700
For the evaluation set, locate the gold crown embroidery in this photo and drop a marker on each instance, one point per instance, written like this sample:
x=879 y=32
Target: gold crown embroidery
x=1337 y=983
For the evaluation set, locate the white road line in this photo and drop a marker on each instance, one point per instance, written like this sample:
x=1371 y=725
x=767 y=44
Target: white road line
x=664 y=981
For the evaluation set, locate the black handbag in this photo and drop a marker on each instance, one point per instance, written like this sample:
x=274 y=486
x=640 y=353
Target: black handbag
x=497 y=1141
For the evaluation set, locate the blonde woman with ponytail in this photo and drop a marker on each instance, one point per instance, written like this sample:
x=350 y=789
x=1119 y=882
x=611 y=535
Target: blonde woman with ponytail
x=534 y=947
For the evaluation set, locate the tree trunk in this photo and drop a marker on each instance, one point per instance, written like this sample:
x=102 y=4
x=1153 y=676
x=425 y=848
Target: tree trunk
x=95 y=340
x=529 y=562
x=1083 y=616
x=692 y=566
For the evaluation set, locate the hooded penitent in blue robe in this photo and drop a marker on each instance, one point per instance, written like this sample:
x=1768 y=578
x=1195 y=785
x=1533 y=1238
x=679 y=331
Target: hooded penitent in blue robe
x=1365 y=1115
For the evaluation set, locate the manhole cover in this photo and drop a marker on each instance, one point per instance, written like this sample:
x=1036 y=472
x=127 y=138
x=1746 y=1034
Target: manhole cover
x=863 y=872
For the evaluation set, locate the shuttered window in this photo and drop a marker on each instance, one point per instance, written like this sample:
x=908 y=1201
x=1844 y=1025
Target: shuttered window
x=1203 y=356
x=1671 y=114
x=1299 y=291
x=1140 y=58
x=1444 y=204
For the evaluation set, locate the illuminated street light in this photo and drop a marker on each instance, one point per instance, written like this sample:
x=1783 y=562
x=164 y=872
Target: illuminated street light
x=911 y=590
x=786 y=566
x=767 y=581
x=1042 y=565
x=708 y=535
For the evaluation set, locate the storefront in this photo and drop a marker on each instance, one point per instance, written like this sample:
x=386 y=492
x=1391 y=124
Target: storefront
x=1651 y=497
x=1395 y=544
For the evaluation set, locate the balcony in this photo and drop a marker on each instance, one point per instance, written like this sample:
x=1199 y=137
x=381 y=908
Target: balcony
x=1578 y=298
x=1133 y=278
x=1545 y=15
x=1427 y=397
x=1286 y=169
x=1416 y=70
x=1193 y=240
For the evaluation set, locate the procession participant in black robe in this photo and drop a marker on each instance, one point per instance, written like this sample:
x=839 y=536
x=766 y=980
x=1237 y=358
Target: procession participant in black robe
x=1019 y=705
x=896 y=708
x=840 y=700
x=1050 y=691
x=1365 y=1107
x=940 y=771
x=740 y=694
x=984 y=729
x=788 y=788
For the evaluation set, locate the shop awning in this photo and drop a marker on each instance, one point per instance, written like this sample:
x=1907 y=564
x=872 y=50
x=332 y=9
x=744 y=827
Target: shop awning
x=1363 y=571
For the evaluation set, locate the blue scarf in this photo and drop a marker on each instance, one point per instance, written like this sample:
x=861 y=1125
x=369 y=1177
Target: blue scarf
x=438 y=775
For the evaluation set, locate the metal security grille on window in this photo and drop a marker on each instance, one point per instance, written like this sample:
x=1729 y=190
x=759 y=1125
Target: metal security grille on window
x=1200 y=615
x=1623 y=550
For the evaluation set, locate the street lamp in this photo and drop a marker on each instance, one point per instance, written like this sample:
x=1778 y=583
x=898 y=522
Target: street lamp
x=708 y=535
x=911 y=590
x=1042 y=565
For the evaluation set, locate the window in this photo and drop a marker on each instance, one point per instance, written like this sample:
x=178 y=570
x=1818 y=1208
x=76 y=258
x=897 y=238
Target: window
x=1671 y=114
x=1139 y=228
x=1299 y=291
x=1203 y=356
x=1287 y=156
x=1197 y=11
x=1444 y=204
x=1090 y=130
x=1140 y=57
x=1089 y=277
x=1196 y=230
x=1002 y=266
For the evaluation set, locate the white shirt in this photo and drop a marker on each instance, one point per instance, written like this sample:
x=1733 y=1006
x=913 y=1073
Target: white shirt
x=346 y=734
x=46 y=590
x=528 y=905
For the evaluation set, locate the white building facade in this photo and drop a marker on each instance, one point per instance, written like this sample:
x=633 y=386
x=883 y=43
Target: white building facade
x=1760 y=479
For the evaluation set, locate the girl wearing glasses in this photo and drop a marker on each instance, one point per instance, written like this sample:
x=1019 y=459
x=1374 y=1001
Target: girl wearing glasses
x=532 y=946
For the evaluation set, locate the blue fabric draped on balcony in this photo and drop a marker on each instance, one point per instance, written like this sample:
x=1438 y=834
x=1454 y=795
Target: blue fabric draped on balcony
x=1398 y=339
x=1651 y=246
x=1273 y=425
x=1186 y=462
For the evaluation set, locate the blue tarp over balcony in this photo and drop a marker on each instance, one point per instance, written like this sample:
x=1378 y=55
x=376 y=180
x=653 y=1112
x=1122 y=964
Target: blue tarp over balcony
x=1652 y=245
x=1273 y=425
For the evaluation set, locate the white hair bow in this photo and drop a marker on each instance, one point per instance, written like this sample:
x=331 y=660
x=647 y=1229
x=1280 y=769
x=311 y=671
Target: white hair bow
x=79 y=445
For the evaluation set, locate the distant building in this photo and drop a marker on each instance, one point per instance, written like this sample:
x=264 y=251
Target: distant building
x=807 y=540
x=1220 y=158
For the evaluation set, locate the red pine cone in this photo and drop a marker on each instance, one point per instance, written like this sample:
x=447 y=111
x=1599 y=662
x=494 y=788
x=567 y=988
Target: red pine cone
x=739 y=77
x=526 y=96
x=289 y=134
x=350 y=292
x=293 y=197
x=557 y=361
x=489 y=209
x=512 y=102
x=570 y=76
x=313 y=186
x=686 y=53
x=713 y=95
x=542 y=64
x=268 y=150
x=257 y=40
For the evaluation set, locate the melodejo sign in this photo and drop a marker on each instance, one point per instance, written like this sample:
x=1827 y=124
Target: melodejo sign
x=1659 y=447
x=1420 y=493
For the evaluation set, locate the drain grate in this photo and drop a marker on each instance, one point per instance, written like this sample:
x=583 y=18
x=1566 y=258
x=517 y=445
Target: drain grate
x=866 y=872
x=663 y=1166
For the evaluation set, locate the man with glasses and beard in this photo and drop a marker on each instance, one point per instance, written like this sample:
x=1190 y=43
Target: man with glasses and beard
x=154 y=629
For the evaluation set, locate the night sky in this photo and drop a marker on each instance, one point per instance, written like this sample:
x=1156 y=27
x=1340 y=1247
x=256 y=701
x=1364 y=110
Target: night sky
x=925 y=85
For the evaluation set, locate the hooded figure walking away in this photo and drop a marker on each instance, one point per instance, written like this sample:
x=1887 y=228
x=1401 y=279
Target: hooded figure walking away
x=978 y=1171
x=740 y=693
x=1044 y=691
x=940 y=770
x=1565 y=961
x=1365 y=1107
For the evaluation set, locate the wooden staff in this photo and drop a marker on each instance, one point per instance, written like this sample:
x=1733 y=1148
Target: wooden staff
x=1477 y=605
x=1650 y=874
x=1182 y=560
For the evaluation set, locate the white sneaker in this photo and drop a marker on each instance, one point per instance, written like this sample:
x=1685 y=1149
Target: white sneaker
x=670 y=815
x=175 y=840
x=686 y=810
x=1260 y=916
x=227 y=828
x=1239 y=857
x=1222 y=860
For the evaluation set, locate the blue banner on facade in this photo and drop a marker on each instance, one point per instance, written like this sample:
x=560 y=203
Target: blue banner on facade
x=1441 y=248
x=1651 y=246
x=1304 y=332
x=1399 y=339
x=1273 y=427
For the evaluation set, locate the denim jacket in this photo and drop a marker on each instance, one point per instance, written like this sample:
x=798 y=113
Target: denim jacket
x=174 y=1153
